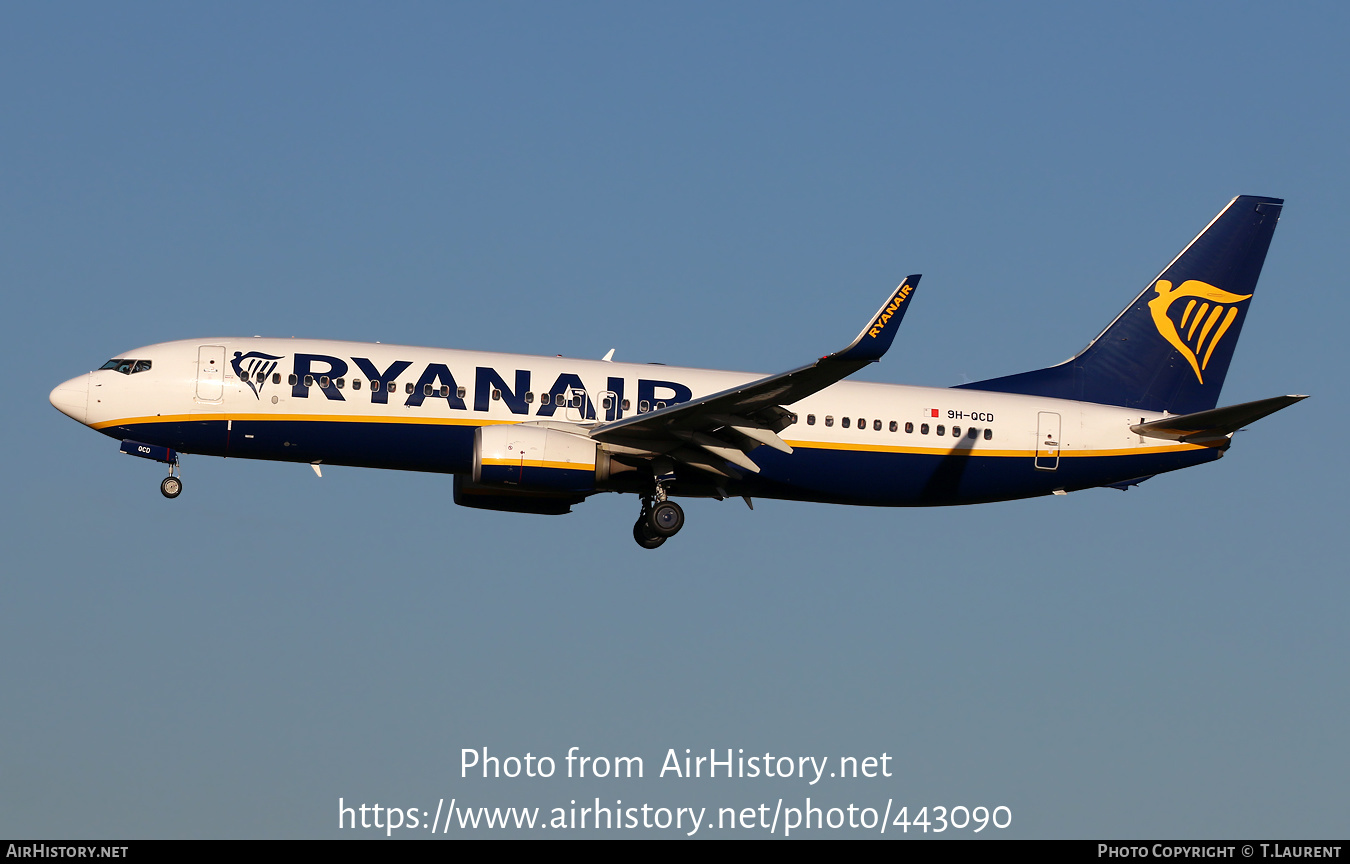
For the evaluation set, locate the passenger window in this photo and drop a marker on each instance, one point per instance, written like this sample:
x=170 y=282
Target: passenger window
x=309 y=380
x=973 y=433
x=608 y=403
x=291 y=379
x=356 y=383
x=876 y=425
x=393 y=387
x=923 y=428
x=529 y=397
x=426 y=389
x=829 y=421
x=941 y=430
x=909 y=427
x=496 y=395
x=409 y=388
x=276 y=377
x=323 y=381
x=956 y=431
x=575 y=403
x=844 y=421
x=375 y=385
x=644 y=406
x=810 y=419
x=988 y=434
x=445 y=391
x=544 y=398
x=895 y=427
x=459 y=391
x=625 y=405
x=660 y=405
x=340 y=382
x=560 y=399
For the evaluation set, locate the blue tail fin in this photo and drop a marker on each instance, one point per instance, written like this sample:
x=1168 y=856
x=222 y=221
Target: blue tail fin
x=1170 y=349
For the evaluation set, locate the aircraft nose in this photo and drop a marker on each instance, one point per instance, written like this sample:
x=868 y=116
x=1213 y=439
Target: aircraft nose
x=71 y=398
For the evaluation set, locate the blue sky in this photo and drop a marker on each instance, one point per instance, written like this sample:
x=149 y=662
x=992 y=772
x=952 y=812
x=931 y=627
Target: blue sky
x=722 y=185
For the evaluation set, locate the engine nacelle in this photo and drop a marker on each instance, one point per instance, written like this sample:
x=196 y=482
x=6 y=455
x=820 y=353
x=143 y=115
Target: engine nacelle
x=535 y=458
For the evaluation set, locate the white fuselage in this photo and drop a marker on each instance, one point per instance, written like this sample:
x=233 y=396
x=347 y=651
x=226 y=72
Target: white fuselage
x=395 y=406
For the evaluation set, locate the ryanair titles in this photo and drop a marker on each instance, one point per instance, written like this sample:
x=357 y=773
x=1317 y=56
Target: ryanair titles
x=886 y=314
x=566 y=392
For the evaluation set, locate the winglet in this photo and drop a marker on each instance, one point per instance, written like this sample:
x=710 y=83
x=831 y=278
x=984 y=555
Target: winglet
x=876 y=338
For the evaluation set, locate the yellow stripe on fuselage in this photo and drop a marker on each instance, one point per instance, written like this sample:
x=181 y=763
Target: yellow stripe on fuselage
x=806 y=445
x=300 y=418
x=982 y=451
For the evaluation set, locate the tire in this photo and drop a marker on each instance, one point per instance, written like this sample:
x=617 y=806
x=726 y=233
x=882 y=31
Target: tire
x=642 y=533
x=171 y=487
x=666 y=519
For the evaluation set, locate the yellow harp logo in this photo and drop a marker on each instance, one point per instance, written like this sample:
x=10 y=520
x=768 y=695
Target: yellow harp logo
x=1207 y=315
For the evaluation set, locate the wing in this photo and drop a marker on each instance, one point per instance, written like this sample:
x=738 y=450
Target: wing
x=722 y=428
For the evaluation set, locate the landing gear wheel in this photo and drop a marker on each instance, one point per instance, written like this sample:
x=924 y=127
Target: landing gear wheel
x=170 y=487
x=642 y=533
x=666 y=519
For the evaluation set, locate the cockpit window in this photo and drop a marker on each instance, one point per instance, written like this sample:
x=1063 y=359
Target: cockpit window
x=126 y=367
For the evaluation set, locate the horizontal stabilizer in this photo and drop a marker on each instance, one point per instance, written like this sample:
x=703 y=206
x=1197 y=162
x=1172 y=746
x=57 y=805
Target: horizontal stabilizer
x=1212 y=428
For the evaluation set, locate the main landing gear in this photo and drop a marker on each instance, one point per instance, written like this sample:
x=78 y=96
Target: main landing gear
x=659 y=519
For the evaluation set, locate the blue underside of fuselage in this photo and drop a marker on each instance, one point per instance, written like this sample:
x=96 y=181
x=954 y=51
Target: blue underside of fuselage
x=886 y=479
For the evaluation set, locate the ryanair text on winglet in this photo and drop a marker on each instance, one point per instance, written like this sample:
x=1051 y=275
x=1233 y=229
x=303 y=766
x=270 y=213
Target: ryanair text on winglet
x=900 y=297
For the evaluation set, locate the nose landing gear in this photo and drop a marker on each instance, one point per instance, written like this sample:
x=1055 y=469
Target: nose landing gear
x=171 y=486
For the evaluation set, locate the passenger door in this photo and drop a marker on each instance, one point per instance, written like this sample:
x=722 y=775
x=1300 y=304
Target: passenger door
x=210 y=373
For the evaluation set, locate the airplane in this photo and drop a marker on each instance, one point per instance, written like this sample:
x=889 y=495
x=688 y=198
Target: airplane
x=538 y=435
